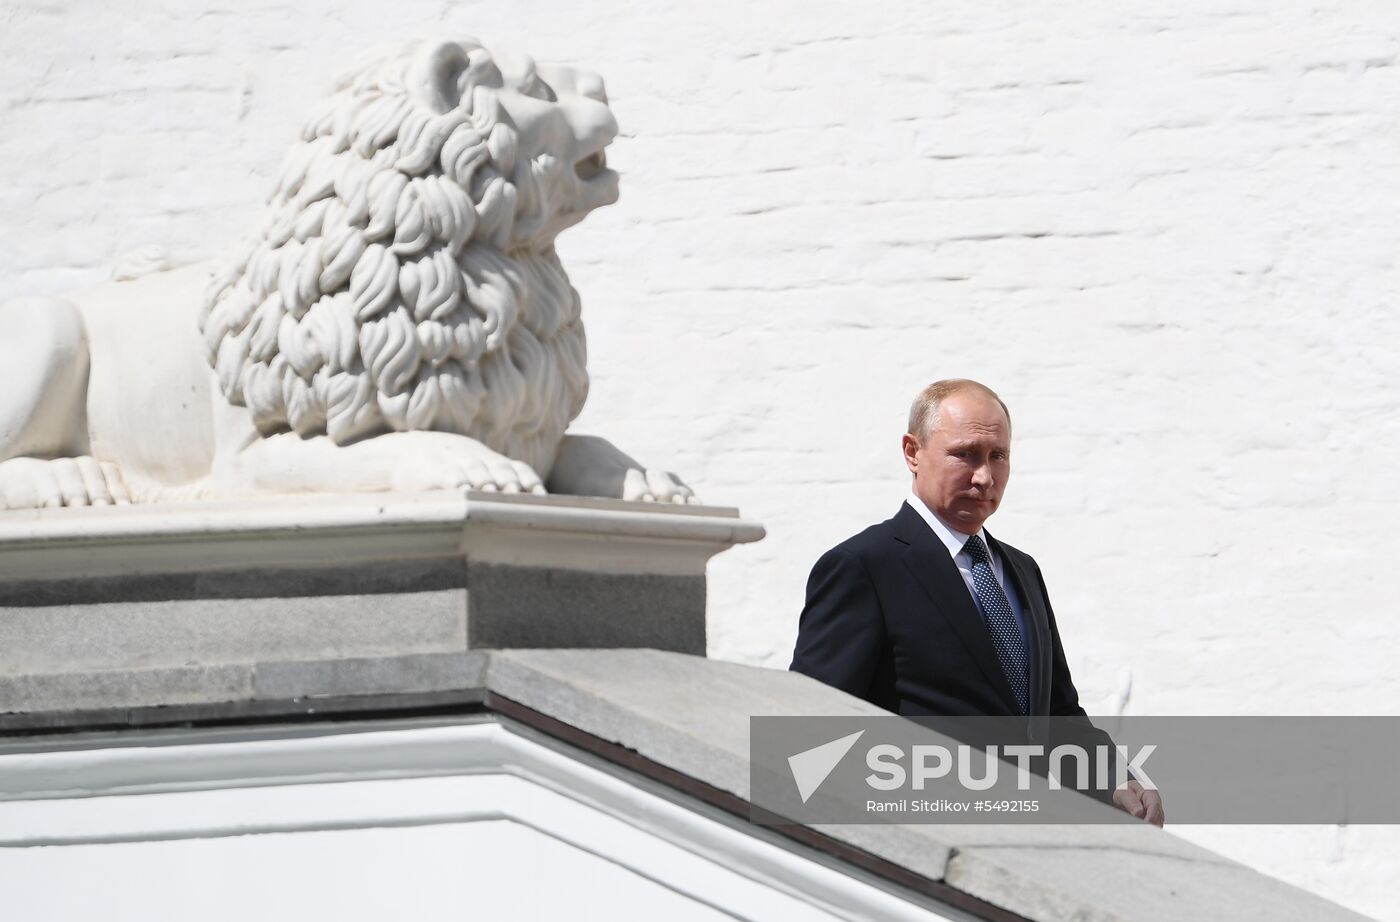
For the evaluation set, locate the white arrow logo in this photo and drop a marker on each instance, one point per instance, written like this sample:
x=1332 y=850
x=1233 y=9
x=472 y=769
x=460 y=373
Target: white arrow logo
x=810 y=768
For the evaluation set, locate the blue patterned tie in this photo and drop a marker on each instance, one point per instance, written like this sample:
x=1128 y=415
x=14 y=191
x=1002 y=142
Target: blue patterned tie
x=1001 y=623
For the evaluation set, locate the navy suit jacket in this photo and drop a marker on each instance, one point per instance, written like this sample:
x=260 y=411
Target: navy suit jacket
x=889 y=619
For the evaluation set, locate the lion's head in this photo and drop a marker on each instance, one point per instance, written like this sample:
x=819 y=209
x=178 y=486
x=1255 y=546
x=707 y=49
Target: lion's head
x=406 y=276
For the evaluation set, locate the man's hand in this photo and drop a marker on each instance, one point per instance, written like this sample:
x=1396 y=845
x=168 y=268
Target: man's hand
x=1143 y=803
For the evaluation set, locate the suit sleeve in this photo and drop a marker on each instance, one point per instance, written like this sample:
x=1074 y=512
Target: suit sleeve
x=1064 y=703
x=1064 y=698
x=841 y=633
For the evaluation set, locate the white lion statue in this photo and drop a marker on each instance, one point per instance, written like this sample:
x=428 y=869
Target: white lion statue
x=400 y=322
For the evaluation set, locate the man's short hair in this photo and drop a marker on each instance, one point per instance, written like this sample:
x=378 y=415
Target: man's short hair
x=923 y=415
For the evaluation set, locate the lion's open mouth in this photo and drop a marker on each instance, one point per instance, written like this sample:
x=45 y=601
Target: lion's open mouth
x=591 y=166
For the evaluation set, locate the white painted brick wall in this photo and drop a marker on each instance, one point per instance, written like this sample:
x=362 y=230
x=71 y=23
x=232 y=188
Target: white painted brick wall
x=1167 y=233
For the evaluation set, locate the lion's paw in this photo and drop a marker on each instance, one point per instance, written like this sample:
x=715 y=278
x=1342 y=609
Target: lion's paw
x=35 y=483
x=479 y=469
x=652 y=486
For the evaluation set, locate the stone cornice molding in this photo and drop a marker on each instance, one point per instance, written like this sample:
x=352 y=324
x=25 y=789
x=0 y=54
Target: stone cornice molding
x=563 y=532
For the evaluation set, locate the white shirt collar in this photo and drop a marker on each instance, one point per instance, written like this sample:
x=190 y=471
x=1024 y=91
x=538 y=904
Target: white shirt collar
x=953 y=540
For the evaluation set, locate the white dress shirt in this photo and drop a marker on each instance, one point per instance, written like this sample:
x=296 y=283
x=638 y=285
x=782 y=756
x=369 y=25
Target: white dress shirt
x=954 y=540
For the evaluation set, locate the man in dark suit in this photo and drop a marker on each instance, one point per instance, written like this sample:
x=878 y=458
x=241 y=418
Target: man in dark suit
x=926 y=613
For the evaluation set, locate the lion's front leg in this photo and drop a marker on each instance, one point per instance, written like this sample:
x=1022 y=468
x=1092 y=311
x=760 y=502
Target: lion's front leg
x=590 y=466
x=400 y=461
x=441 y=460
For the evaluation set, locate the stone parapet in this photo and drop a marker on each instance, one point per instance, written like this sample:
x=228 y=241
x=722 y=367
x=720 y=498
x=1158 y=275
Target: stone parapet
x=667 y=723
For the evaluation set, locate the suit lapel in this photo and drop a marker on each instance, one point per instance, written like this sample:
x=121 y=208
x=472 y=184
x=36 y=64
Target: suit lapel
x=932 y=567
x=1033 y=606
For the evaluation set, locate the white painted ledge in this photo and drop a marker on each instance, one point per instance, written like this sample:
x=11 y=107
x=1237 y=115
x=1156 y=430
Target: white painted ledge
x=228 y=785
x=337 y=530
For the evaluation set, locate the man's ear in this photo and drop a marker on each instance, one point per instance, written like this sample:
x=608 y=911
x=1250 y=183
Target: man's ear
x=911 y=453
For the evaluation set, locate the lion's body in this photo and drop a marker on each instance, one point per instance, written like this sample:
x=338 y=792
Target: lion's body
x=399 y=321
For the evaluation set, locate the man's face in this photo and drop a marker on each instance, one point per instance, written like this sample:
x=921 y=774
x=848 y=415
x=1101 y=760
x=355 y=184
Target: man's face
x=961 y=469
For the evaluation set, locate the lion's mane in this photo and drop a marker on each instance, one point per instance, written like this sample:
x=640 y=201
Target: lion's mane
x=397 y=284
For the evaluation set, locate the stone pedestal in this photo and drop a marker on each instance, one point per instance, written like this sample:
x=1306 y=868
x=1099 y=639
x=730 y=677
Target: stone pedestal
x=104 y=604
